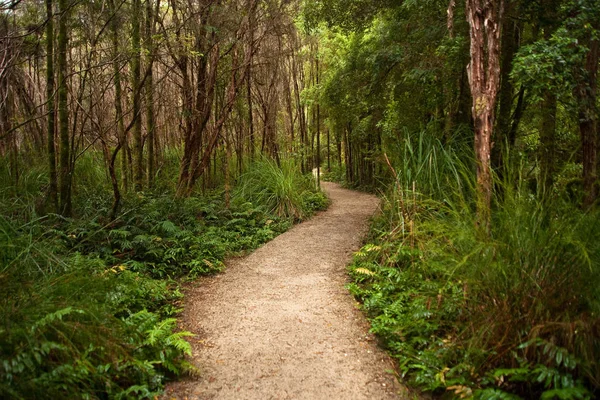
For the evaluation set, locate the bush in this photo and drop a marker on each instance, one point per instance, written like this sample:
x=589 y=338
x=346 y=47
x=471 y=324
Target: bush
x=66 y=331
x=512 y=313
x=281 y=191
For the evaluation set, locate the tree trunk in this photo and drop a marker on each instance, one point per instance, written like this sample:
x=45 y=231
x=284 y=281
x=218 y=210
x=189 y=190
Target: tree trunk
x=138 y=166
x=547 y=141
x=151 y=126
x=328 y=152
x=548 y=21
x=338 y=144
x=250 y=48
x=120 y=123
x=510 y=32
x=226 y=173
x=301 y=115
x=484 y=17
x=318 y=122
x=53 y=191
x=588 y=119
x=63 y=111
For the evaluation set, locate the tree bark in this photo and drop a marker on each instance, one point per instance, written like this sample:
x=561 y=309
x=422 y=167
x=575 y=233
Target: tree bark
x=151 y=126
x=63 y=111
x=510 y=32
x=250 y=48
x=138 y=162
x=484 y=17
x=318 y=122
x=588 y=119
x=53 y=190
x=121 y=134
x=548 y=140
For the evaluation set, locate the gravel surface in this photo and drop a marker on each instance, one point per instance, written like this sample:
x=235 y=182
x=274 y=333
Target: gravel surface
x=279 y=324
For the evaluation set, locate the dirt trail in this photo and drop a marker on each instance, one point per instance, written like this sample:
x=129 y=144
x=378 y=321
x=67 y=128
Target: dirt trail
x=279 y=324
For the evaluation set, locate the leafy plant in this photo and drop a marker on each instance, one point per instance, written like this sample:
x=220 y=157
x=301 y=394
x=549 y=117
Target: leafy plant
x=513 y=314
x=280 y=190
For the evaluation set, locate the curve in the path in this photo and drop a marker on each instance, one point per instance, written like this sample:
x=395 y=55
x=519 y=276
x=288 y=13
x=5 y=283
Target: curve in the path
x=279 y=324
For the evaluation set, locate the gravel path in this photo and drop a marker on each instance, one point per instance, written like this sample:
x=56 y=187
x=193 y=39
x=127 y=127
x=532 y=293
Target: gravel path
x=279 y=324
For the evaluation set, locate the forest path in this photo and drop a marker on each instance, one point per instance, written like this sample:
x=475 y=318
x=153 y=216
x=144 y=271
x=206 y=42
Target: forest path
x=279 y=324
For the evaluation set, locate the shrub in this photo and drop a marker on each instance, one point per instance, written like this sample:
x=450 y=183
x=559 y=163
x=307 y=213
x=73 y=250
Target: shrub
x=512 y=313
x=280 y=190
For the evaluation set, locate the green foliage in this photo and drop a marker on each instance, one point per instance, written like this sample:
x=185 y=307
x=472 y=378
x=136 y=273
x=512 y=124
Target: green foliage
x=69 y=328
x=280 y=190
x=509 y=315
x=549 y=64
x=337 y=174
x=89 y=303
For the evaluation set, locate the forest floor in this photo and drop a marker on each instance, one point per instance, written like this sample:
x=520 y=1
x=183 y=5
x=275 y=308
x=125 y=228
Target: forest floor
x=279 y=323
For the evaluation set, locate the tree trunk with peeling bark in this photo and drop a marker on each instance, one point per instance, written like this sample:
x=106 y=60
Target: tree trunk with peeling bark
x=485 y=21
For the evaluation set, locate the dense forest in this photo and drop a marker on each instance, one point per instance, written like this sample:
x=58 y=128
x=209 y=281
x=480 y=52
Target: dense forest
x=144 y=141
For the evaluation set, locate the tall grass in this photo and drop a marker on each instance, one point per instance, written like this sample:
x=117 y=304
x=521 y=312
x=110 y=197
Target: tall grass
x=422 y=160
x=513 y=312
x=280 y=190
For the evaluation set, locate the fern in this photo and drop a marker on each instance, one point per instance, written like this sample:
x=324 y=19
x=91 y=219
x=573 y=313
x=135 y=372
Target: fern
x=494 y=394
x=54 y=316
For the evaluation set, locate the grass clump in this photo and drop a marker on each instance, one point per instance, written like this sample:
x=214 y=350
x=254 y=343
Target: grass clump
x=280 y=190
x=509 y=314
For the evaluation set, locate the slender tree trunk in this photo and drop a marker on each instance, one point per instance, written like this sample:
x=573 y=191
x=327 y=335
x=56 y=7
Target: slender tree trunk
x=510 y=32
x=250 y=48
x=227 y=178
x=549 y=22
x=53 y=191
x=328 y=152
x=548 y=140
x=349 y=155
x=138 y=162
x=588 y=119
x=232 y=91
x=318 y=122
x=338 y=143
x=63 y=111
x=151 y=126
x=484 y=17
x=121 y=134
x=516 y=118
x=301 y=115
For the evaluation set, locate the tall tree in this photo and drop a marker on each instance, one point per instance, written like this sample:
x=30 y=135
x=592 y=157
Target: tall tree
x=485 y=21
x=588 y=120
x=318 y=121
x=251 y=7
x=548 y=23
x=136 y=81
x=150 y=120
x=510 y=40
x=51 y=111
x=119 y=117
x=64 y=9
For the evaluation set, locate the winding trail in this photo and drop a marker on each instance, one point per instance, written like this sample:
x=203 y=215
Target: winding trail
x=279 y=324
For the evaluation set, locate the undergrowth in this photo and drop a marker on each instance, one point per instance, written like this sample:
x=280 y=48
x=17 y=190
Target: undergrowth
x=280 y=189
x=513 y=314
x=89 y=304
